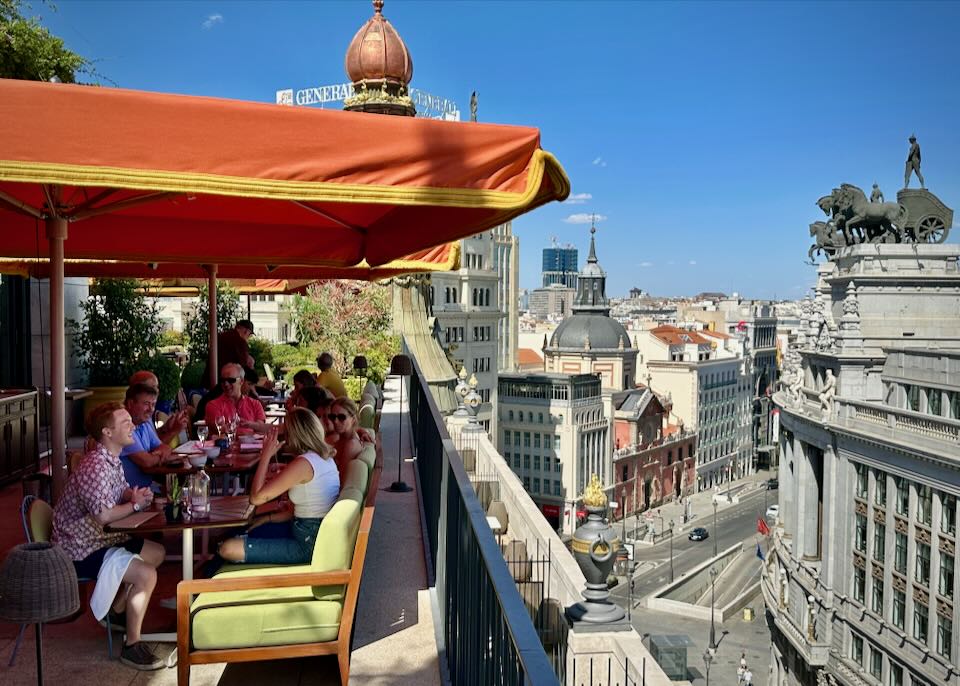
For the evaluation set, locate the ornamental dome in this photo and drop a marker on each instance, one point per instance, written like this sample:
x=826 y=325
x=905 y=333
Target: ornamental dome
x=590 y=332
x=378 y=54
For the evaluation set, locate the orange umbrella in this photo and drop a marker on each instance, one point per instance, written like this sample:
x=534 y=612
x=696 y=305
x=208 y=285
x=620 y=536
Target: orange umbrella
x=158 y=179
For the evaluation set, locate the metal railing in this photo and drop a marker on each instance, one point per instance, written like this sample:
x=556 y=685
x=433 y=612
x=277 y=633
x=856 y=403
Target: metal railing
x=487 y=634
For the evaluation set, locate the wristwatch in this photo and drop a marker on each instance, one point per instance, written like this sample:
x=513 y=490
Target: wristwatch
x=136 y=507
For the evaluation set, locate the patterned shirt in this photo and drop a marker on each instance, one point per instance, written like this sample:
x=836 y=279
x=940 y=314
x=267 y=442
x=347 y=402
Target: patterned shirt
x=97 y=484
x=247 y=409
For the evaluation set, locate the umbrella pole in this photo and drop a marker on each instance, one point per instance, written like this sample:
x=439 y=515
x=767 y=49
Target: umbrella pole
x=212 y=330
x=56 y=234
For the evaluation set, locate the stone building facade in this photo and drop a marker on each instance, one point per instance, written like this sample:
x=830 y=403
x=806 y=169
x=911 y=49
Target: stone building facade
x=859 y=579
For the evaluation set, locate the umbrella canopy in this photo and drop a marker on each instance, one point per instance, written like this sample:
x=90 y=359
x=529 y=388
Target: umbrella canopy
x=158 y=178
x=154 y=179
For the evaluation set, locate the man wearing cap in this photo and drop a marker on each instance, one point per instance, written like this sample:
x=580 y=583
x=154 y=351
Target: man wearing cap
x=232 y=347
x=913 y=163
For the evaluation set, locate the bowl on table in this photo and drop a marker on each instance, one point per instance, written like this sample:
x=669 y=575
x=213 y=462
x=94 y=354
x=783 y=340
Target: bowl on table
x=211 y=453
x=197 y=460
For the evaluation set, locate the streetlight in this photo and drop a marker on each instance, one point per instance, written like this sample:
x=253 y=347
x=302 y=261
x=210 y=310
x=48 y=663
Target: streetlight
x=623 y=513
x=729 y=479
x=707 y=659
x=716 y=533
x=671 y=551
x=713 y=633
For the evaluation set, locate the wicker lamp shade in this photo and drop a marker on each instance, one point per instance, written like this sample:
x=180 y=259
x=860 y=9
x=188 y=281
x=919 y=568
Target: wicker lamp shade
x=360 y=362
x=401 y=365
x=38 y=583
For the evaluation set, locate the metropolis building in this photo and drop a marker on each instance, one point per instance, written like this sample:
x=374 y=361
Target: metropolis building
x=860 y=579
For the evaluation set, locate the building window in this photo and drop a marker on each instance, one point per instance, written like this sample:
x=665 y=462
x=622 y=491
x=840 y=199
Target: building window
x=536 y=440
x=921 y=617
x=880 y=488
x=624 y=473
x=506 y=438
x=946 y=575
x=861 y=480
x=903 y=495
x=922 y=573
x=510 y=415
x=859 y=578
x=547 y=441
x=944 y=636
x=860 y=541
x=953 y=398
x=557 y=486
x=877 y=599
x=556 y=442
x=516 y=439
x=899 y=609
x=526 y=439
x=900 y=553
x=913 y=397
x=536 y=463
x=879 y=541
x=856 y=649
x=924 y=504
x=536 y=484
x=934 y=405
x=526 y=483
x=556 y=465
x=876 y=663
x=540 y=418
x=526 y=462
x=948 y=515
x=516 y=460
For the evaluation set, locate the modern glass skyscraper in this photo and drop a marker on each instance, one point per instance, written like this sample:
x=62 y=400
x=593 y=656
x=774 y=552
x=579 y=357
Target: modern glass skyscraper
x=560 y=266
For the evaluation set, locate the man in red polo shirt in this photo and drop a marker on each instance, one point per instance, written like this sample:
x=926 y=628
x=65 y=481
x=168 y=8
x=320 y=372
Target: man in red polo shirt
x=233 y=402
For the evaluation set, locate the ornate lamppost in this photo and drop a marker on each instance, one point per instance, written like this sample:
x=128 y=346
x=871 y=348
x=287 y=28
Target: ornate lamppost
x=671 y=551
x=716 y=532
x=713 y=633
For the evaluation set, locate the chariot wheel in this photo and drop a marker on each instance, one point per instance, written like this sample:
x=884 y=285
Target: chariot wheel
x=931 y=229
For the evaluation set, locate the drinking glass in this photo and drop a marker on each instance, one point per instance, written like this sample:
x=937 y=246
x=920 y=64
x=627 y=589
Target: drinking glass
x=202 y=432
x=221 y=424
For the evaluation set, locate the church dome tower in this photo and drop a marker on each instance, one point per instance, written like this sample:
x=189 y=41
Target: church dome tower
x=380 y=67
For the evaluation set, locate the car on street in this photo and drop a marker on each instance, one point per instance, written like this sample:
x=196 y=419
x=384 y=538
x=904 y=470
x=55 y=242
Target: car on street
x=699 y=534
x=773 y=484
x=773 y=512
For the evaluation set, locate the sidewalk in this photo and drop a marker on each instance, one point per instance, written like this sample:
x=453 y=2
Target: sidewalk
x=700 y=507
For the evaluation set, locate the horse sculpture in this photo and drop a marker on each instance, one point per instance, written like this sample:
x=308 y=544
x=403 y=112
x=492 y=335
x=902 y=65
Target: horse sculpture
x=889 y=217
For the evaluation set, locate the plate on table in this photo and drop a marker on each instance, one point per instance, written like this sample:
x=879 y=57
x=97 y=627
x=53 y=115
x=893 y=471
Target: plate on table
x=251 y=446
x=189 y=448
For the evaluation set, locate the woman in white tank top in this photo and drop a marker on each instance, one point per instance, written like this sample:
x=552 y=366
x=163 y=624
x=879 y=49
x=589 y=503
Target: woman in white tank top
x=312 y=483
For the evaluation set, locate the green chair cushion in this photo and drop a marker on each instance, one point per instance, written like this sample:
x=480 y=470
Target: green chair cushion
x=368 y=456
x=368 y=414
x=335 y=542
x=358 y=474
x=268 y=617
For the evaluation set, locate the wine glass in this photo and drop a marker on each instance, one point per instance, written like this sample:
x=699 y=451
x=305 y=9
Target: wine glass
x=221 y=425
x=202 y=432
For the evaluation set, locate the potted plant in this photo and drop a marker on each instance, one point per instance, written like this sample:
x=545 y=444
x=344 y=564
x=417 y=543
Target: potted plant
x=119 y=326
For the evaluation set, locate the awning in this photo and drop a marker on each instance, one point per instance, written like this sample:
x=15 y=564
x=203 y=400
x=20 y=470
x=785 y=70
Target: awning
x=174 y=182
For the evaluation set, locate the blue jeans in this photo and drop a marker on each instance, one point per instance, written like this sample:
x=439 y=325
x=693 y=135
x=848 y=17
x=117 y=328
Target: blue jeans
x=283 y=543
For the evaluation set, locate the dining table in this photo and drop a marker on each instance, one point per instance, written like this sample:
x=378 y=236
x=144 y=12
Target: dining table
x=226 y=512
x=238 y=459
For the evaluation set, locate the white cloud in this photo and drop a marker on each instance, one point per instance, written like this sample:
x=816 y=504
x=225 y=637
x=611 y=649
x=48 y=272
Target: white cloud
x=584 y=218
x=693 y=262
x=578 y=198
x=646 y=264
x=212 y=21
x=599 y=162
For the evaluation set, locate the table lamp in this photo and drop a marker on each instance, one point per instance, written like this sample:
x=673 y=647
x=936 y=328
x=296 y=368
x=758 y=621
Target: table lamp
x=38 y=583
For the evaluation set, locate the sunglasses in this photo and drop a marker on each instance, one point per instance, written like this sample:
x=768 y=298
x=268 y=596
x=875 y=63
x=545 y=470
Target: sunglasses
x=339 y=417
x=229 y=379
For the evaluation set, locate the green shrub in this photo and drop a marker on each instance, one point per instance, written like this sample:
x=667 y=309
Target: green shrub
x=354 y=386
x=119 y=327
x=288 y=377
x=171 y=338
x=286 y=356
x=167 y=371
x=192 y=376
x=262 y=353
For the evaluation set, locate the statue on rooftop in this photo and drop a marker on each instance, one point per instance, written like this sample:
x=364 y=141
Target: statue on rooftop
x=827 y=394
x=473 y=106
x=913 y=163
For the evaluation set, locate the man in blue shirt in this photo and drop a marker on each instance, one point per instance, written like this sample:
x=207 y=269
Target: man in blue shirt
x=147 y=450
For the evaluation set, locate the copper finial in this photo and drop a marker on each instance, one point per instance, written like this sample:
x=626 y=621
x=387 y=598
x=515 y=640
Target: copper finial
x=378 y=6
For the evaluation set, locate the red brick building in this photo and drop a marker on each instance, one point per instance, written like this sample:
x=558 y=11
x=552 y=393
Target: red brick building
x=653 y=459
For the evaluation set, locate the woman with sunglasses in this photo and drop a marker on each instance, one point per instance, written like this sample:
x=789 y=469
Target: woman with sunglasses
x=343 y=416
x=312 y=484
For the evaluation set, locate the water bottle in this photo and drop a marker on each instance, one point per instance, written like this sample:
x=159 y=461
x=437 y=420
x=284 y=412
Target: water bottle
x=200 y=494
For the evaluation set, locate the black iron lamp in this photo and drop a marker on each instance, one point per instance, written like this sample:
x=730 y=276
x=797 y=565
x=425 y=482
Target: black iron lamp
x=401 y=366
x=38 y=583
x=360 y=369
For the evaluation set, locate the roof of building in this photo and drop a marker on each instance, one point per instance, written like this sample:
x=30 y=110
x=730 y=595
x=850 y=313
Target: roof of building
x=672 y=335
x=528 y=356
x=589 y=331
x=715 y=334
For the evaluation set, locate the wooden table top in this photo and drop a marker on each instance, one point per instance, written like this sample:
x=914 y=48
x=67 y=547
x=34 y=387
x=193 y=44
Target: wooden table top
x=232 y=462
x=225 y=512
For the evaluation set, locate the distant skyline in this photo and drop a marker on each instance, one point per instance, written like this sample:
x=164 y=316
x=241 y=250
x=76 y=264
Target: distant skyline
x=700 y=134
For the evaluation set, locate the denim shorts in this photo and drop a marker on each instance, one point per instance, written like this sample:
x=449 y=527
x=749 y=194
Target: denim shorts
x=294 y=548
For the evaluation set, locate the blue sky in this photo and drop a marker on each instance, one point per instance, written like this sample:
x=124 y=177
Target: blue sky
x=702 y=132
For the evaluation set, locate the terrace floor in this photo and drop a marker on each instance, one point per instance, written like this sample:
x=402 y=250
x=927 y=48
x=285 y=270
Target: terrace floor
x=394 y=639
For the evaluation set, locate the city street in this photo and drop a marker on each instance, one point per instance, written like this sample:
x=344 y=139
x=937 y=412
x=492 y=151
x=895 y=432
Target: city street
x=735 y=523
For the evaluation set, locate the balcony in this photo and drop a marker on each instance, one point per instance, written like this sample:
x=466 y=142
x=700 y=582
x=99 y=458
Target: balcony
x=897 y=424
x=636 y=448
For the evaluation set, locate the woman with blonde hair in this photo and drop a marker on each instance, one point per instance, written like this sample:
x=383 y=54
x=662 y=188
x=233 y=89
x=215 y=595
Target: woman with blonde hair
x=312 y=484
x=343 y=417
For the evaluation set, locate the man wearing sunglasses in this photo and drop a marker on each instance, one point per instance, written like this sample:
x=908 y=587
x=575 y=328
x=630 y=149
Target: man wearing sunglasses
x=233 y=401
